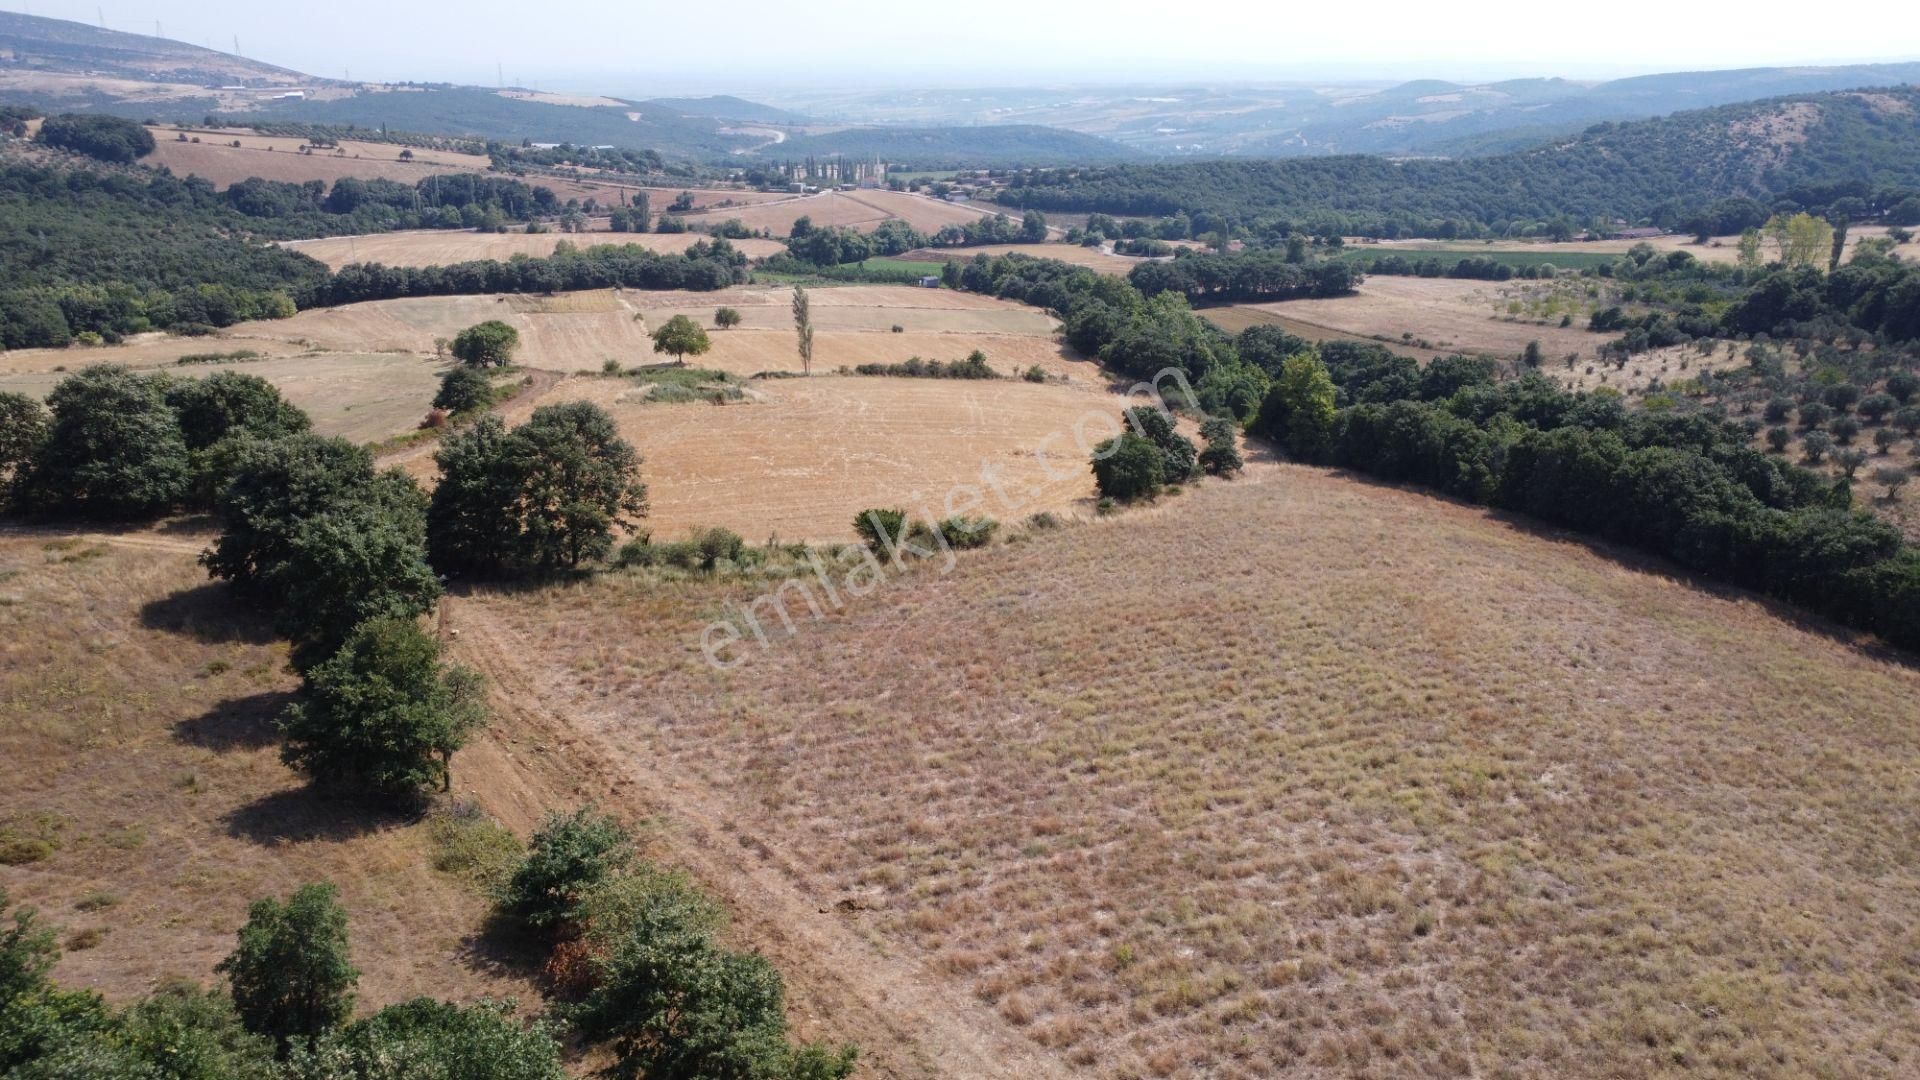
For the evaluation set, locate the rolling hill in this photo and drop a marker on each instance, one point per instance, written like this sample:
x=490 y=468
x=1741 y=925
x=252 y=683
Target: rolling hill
x=1819 y=146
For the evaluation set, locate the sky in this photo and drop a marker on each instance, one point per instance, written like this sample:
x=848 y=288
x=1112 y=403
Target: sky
x=637 y=47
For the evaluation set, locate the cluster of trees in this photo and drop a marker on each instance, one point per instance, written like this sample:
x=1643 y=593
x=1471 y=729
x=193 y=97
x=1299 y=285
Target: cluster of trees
x=1689 y=488
x=1133 y=334
x=113 y=445
x=973 y=367
x=705 y=266
x=1247 y=277
x=1688 y=170
x=542 y=497
x=1145 y=457
x=998 y=229
x=285 y=1016
x=108 y=138
x=636 y=947
x=1873 y=295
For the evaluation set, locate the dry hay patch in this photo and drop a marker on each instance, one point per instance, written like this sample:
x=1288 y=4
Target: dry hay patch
x=447 y=247
x=1449 y=314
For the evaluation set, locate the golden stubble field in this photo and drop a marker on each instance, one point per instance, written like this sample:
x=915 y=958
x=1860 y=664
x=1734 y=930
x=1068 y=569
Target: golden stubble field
x=1446 y=314
x=854 y=209
x=798 y=458
x=369 y=371
x=1304 y=776
x=1720 y=249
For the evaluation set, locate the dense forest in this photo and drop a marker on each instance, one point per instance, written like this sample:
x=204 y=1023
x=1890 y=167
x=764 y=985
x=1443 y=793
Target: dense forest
x=107 y=254
x=1667 y=171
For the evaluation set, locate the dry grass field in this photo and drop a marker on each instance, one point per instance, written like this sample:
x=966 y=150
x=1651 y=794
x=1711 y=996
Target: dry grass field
x=440 y=247
x=215 y=159
x=136 y=713
x=1297 y=776
x=361 y=396
x=1444 y=314
x=1238 y=317
x=798 y=458
x=854 y=209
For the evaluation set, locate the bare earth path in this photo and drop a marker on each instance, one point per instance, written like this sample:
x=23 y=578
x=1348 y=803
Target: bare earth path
x=843 y=979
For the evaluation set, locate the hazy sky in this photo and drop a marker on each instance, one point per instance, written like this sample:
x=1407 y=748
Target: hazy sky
x=635 y=46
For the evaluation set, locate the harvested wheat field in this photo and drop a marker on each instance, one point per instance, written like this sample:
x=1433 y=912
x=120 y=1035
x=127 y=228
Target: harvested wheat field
x=438 y=247
x=360 y=396
x=798 y=458
x=1237 y=317
x=854 y=209
x=1379 y=785
x=136 y=722
x=1443 y=314
x=216 y=160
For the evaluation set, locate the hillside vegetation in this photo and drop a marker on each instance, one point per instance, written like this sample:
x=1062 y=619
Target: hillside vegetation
x=1810 y=149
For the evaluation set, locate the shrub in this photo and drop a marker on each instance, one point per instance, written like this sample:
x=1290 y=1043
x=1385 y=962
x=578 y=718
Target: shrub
x=464 y=389
x=726 y=318
x=488 y=344
x=23 y=428
x=1035 y=374
x=1778 y=409
x=1044 y=521
x=1813 y=414
x=291 y=978
x=427 y=1038
x=1221 y=457
x=717 y=544
x=1893 y=478
x=567 y=858
x=1778 y=438
x=1884 y=438
x=1816 y=445
x=1844 y=429
x=1128 y=468
x=1908 y=420
x=470 y=845
x=961 y=533
x=1903 y=385
x=880 y=529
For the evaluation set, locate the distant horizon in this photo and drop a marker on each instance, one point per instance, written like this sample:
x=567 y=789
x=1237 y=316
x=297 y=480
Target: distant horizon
x=998 y=44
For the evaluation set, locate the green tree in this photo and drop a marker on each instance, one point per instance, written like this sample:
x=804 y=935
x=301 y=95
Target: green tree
x=726 y=318
x=1221 y=455
x=114 y=449
x=291 y=975
x=433 y=1039
x=681 y=337
x=108 y=138
x=361 y=560
x=187 y=1032
x=1129 y=467
x=383 y=713
x=1033 y=227
x=464 y=389
x=581 y=481
x=803 y=327
x=488 y=344
x=1300 y=410
x=678 y=1006
x=567 y=858
x=23 y=428
x=232 y=403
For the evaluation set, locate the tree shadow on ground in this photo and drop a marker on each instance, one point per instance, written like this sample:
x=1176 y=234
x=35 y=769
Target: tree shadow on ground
x=502 y=948
x=210 y=614
x=303 y=814
x=242 y=723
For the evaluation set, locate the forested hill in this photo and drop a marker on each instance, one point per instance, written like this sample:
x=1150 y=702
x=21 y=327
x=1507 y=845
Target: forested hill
x=957 y=147
x=1811 y=149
